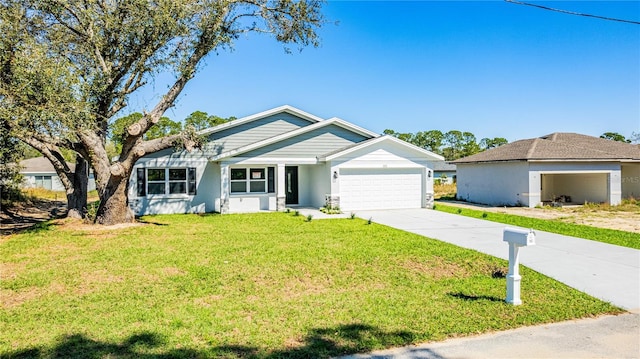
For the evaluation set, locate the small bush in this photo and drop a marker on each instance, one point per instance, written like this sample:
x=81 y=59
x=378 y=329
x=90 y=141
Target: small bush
x=309 y=217
x=459 y=210
x=352 y=215
x=330 y=210
x=485 y=214
x=296 y=213
x=92 y=211
x=369 y=220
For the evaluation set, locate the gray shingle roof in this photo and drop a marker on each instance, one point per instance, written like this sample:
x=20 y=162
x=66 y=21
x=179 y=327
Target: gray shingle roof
x=40 y=165
x=440 y=166
x=558 y=146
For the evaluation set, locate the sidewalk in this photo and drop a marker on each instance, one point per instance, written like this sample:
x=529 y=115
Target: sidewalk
x=614 y=337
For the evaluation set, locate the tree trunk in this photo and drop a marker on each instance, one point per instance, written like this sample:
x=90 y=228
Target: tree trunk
x=77 y=196
x=114 y=200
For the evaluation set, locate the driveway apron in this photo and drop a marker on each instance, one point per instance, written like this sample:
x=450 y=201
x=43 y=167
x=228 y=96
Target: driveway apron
x=605 y=271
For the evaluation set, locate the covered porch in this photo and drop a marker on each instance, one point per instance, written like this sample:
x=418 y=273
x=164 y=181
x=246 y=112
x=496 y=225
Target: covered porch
x=252 y=187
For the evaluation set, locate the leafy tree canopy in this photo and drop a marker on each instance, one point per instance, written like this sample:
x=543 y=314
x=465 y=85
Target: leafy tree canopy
x=200 y=120
x=614 y=136
x=68 y=68
x=452 y=145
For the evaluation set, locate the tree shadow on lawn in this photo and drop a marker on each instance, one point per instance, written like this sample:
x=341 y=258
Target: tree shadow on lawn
x=318 y=343
x=473 y=297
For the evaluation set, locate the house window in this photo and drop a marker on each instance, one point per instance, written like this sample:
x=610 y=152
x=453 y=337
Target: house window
x=43 y=182
x=177 y=180
x=252 y=180
x=160 y=181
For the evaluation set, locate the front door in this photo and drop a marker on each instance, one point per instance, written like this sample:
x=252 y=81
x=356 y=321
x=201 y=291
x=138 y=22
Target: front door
x=291 y=184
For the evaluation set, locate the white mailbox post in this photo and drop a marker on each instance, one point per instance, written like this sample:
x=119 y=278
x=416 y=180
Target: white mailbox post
x=516 y=238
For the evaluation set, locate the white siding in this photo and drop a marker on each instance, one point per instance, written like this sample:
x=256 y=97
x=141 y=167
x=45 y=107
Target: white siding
x=255 y=131
x=311 y=144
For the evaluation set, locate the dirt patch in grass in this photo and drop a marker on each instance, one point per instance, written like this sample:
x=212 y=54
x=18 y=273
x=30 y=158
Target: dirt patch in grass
x=608 y=217
x=24 y=215
x=12 y=298
x=92 y=229
x=436 y=268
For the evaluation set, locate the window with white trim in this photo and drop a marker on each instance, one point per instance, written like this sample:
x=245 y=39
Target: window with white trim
x=44 y=182
x=252 y=180
x=162 y=181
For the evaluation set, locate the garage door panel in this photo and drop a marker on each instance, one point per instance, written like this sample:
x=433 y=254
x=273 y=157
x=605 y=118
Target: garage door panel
x=380 y=188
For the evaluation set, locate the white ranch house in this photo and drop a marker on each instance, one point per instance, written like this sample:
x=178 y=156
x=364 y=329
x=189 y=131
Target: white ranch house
x=38 y=172
x=280 y=158
x=559 y=167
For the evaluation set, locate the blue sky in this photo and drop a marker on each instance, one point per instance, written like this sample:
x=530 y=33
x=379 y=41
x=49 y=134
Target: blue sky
x=492 y=68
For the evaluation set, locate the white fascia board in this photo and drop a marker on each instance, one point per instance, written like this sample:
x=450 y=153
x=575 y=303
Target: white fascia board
x=410 y=146
x=286 y=108
x=287 y=135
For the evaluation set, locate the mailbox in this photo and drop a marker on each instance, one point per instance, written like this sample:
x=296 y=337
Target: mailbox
x=519 y=237
x=516 y=238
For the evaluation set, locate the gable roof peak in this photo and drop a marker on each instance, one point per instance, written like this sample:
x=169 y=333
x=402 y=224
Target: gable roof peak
x=276 y=110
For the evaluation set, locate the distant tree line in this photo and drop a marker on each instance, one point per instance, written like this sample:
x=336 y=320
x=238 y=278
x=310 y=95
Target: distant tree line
x=456 y=144
x=451 y=145
x=614 y=136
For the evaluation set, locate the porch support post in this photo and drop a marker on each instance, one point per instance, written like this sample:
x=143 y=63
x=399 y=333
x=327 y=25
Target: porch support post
x=281 y=196
x=224 y=188
x=427 y=174
x=614 y=185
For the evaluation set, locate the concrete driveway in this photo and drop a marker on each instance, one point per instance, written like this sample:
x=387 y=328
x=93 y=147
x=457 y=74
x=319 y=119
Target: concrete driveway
x=605 y=271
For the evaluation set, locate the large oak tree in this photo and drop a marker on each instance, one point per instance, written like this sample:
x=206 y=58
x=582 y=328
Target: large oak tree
x=109 y=49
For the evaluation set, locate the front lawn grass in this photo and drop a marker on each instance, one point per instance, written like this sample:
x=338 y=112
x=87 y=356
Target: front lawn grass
x=605 y=235
x=266 y=285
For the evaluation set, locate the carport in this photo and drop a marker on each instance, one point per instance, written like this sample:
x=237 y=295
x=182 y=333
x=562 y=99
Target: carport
x=574 y=187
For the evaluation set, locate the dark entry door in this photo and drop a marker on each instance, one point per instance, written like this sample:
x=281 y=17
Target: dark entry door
x=291 y=184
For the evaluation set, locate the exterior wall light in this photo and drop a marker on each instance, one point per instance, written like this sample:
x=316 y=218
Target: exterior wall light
x=335 y=174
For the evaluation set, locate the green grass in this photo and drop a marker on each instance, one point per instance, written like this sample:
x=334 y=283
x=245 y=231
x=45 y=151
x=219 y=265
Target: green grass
x=612 y=236
x=266 y=285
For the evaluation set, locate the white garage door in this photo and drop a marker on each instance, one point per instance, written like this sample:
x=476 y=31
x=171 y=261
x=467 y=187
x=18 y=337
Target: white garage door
x=380 y=188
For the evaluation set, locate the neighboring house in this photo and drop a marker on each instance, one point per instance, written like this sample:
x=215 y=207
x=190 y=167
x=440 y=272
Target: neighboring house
x=444 y=171
x=284 y=157
x=39 y=172
x=560 y=167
